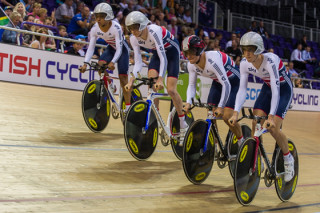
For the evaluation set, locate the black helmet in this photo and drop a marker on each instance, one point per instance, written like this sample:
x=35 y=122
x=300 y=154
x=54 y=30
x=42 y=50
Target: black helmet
x=193 y=45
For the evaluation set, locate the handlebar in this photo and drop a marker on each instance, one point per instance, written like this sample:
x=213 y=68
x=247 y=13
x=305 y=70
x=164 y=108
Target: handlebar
x=146 y=81
x=95 y=66
x=252 y=116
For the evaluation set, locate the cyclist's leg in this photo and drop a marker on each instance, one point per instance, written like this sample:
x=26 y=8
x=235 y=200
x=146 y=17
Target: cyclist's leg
x=153 y=70
x=123 y=67
x=229 y=108
x=173 y=57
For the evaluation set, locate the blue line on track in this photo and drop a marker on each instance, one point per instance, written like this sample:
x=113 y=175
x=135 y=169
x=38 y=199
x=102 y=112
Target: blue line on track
x=96 y=149
x=286 y=208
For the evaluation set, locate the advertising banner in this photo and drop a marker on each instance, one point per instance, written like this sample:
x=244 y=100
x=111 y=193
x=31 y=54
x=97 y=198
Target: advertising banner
x=44 y=68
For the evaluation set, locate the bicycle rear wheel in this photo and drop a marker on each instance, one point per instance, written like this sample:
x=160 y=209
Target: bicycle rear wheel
x=175 y=127
x=233 y=146
x=95 y=106
x=140 y=143
x=196 y=164
x=284 y=189
x=246 y=181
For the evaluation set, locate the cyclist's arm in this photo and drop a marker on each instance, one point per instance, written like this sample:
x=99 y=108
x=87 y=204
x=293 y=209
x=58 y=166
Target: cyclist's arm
x=137 y=56
x=119 y=42
x=275 y=87
x=191 y=91
x=157 y=36
x=221 y=74
x=91 y=47
x=242 y=92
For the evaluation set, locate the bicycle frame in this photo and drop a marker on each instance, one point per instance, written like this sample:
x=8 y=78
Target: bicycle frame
x=258 y=132
x=151 y=106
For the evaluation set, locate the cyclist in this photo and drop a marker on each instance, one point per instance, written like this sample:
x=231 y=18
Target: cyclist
x=117 y=50
x=166 y=56
x=275 y=95
x=219 y=67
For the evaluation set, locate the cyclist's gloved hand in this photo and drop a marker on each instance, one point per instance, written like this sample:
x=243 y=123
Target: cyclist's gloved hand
x=159 y=84
x=83 y=68
x=111 y=66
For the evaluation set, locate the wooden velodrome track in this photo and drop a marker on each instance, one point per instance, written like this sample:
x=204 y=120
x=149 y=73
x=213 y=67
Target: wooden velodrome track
x=51 y=162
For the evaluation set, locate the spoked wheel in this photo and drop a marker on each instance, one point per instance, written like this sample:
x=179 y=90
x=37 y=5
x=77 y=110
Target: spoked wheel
x=197 y=164
x=175 y=127
x=246 y=181
x=233 y=146
x=141 y=143
x=284 y=189
x=135 y=96
x=95 y=106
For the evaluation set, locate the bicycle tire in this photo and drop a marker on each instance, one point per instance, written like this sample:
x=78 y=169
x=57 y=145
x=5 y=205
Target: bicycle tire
x=233 y=146
x=246 y=182
x=141 y=146
x=285 y=190
x=95 y=110
x=197 y=167
x=175 y=127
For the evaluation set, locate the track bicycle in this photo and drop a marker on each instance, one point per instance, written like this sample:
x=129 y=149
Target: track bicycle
x=141 y=126
x=98 y=98
x=199 y=149
x=248 y=167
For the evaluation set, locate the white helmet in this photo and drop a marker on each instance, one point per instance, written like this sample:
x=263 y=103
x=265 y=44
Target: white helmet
x=252 y=39
x=106 y=9
x=137 y=17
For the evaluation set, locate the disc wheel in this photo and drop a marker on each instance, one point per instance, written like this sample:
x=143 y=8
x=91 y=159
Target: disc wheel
x=284 y=189
x=141 y=143
x=246 y=181
x=175 y=127
x=233 y=147
x=95 y=106
x=197 y=164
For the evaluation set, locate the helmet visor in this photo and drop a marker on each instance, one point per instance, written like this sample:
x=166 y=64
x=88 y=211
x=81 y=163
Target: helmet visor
x=133 y=27
x=249 y=48
x=190 y=52
x=100 y=15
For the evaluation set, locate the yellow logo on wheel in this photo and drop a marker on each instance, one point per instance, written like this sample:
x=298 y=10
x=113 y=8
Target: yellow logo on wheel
x=139 y=108
x=133 y=146
x=92 y=88
x=291 y=147
x=137 y=92
x=174 y=130
x=93 y=123
x=108 y=107
x=244 y=196
x=235 y=139
x=259 y=165
x=294 y=184
x=211 y=139
x=244 y=153
x=189 y=141
x=155 y=137
x=280 y=183
x=200 y=176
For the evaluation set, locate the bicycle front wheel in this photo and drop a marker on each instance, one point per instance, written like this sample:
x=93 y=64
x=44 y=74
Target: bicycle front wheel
x=95 y=106
x=246 y=180
x=197 y=163
x=140 y=142
x=233 y=147
x=175 y=127
x=284 y=189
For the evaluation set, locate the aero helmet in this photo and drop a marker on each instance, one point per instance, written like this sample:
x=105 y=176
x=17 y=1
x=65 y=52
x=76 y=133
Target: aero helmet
x=106 y=9
x=193 y=44
x=137 y=17
x=252 y=39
